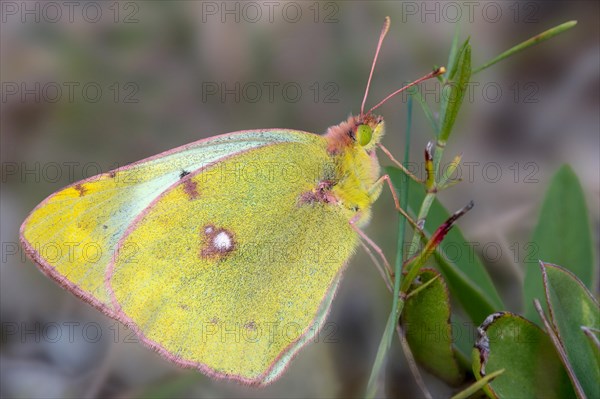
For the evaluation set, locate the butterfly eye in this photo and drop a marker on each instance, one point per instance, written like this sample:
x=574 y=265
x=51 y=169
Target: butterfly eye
x=364 y=134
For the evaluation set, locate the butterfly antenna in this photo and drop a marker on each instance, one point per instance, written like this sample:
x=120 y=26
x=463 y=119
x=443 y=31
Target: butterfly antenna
x=384 y=31
x=430 y=75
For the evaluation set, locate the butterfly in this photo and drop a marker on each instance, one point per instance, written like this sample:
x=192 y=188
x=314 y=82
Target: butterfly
x=225 y=254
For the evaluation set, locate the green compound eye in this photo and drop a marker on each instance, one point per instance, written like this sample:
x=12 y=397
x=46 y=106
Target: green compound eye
x=364 y=134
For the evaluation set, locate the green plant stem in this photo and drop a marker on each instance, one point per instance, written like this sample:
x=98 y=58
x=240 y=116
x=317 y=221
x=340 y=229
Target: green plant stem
x=396 y=307
x=425 y=206
x=384 y=346
x=415 y=266
x=440 y=145
x=397 y=303
x=423 y=212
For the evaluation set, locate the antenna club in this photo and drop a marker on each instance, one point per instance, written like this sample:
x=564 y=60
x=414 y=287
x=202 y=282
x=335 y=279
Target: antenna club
x=440 y=71
x=386 y=25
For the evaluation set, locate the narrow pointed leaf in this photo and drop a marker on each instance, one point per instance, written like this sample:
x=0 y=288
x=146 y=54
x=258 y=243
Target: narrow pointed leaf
x=476 y=386
x=453 y=56
x=528 y=43
x=532 y=367
x=572 y=307
x=454 y=93
x=562 y=236
x=457 y=261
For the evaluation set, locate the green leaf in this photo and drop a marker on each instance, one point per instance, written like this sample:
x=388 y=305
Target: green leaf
x=460 y=266
x=532 y=367
x=452 y=57
x=562 y=236
x=426 y=322
x=528 y=43
x=454 y=91
x=572 y=307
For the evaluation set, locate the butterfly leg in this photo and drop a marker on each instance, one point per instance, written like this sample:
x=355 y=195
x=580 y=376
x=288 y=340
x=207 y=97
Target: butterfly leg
x=369 y=244
x=399 y=164
x=377 y=186
x=387 y=277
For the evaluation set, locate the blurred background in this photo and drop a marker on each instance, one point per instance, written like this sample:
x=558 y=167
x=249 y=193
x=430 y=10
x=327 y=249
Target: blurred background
x=89 y=86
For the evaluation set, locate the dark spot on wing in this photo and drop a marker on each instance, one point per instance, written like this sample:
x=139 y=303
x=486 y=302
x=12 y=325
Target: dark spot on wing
x=81 y=189
x=183 y=174
x=191 y=188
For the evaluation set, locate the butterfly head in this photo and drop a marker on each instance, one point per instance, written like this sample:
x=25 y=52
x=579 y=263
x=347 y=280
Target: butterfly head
x=368 y=130
x=358 y=132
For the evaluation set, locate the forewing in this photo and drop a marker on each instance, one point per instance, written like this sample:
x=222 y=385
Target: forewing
x=236 y=265
x=73 y=234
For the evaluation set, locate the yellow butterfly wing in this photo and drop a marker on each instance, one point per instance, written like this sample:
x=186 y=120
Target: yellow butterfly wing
x=73 y=234
x=235 y=269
